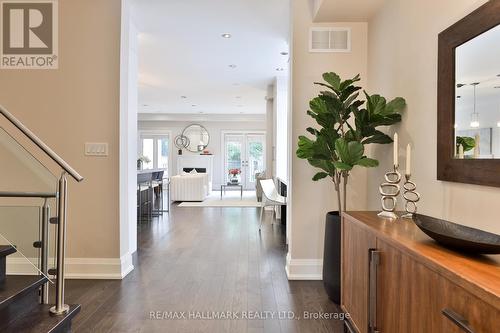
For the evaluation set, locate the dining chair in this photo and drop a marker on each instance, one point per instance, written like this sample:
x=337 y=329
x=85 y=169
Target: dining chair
x=270 y=197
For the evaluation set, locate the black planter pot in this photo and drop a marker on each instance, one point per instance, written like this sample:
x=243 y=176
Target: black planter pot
x=331 y=256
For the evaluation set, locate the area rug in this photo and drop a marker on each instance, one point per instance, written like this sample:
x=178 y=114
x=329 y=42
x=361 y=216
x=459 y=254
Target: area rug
x=230 y=199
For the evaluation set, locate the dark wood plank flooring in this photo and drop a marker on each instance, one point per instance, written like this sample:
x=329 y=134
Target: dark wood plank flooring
x=199 y=260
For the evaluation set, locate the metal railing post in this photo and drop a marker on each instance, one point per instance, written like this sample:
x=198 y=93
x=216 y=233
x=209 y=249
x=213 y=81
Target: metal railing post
x=60 y=307
x=44 y=258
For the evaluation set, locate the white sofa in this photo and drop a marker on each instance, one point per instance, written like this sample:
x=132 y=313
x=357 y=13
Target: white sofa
x=190 y=187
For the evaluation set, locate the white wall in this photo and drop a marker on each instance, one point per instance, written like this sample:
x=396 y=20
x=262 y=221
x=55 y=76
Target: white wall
x=310 y=201
x=281 y=127
x=215 y=130
x=128 y=131
x=270 y=130
x=75 y=104
x=403 y=41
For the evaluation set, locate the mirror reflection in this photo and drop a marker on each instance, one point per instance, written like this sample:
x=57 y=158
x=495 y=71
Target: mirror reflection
x=197 y=138
x=477 y=97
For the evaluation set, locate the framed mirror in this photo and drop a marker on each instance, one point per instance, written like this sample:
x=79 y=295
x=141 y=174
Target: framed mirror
x=469 y=99
x=197 y=136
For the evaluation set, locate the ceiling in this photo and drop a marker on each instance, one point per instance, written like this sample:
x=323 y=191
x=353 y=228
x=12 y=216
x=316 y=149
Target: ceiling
x=184 y=62
x=477 y=61
x=345 y=10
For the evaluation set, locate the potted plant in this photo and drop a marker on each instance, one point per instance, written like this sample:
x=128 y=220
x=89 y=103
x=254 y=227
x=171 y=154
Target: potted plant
x=233 y=176
x=346 y=124
x=141 y=160
x=467 y=143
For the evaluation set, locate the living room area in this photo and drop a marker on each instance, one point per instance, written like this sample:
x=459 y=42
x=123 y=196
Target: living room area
x=222 y=127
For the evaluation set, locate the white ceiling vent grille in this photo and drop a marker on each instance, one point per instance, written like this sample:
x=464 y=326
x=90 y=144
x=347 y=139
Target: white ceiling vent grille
x=324 y=39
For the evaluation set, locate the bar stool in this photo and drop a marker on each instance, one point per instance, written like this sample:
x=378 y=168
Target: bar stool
x=144 y=186
x=157 y=185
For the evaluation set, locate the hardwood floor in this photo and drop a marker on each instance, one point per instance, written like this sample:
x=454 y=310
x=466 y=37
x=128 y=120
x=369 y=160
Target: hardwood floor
x=198 y=260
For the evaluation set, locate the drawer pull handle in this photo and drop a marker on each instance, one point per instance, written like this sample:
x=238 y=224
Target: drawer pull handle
x=458 y=320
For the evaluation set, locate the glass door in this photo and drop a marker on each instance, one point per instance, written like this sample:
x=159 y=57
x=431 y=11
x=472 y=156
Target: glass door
x=244 y=157
x=155 y=147
x=255 y=161
x=234 y=153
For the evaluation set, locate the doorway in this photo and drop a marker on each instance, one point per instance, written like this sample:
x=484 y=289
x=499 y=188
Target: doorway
x=156 y=149
x=244 y=157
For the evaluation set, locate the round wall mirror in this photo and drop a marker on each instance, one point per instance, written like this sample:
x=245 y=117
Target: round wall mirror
x=198 y=138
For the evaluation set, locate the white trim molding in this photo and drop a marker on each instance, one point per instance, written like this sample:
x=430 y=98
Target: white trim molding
x=78 y=268
x=303 y=269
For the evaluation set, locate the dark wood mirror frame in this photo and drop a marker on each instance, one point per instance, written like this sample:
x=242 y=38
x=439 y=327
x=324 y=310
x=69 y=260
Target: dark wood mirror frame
x=471 y=171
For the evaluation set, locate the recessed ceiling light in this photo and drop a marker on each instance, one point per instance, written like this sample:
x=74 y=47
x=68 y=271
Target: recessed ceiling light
x=284 y=53
x=183 y=97
x=194 y=105
x=226 y=35
x=232 y=66
x=145 y=105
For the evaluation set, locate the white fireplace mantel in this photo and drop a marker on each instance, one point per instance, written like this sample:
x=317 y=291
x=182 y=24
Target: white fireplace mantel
x=196 y=161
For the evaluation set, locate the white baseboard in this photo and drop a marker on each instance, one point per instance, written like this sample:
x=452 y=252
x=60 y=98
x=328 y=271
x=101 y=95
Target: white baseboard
x=79 y=268
x=303 y=269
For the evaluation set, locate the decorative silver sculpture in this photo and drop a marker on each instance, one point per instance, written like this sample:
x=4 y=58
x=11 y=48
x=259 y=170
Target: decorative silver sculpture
x=411 y=196
x=389 y=198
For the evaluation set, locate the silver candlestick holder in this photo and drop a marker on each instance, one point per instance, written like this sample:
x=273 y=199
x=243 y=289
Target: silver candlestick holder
x=411 y=196
x=390 y=197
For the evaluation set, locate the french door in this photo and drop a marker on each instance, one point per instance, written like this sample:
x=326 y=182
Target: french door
x=156 y=148
x=244 y=157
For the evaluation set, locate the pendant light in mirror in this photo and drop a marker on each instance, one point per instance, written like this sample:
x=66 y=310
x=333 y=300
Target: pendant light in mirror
x=498 y=122
x=474 y=117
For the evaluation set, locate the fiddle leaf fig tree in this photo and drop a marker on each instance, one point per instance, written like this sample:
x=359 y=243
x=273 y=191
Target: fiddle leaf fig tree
x=345 y=124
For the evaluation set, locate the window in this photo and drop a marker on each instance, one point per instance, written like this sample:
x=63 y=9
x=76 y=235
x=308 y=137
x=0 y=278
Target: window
x=156 y=148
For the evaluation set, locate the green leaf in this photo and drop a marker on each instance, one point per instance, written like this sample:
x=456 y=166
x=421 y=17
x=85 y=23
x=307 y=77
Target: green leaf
x=397 y=105
x=313 y=131
x=467 y=142
x=320 y=175
x=318 y=105
x=349 y=152
x=333 y=79
x=377 y=137
x=342 y=166
x=367 y=162
x=356 y=151
x=342 y=149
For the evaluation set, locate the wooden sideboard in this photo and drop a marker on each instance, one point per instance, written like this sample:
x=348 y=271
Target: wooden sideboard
x=395 y=279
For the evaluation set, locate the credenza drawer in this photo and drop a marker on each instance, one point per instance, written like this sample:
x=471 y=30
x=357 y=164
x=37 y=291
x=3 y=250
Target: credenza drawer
x=464 y=312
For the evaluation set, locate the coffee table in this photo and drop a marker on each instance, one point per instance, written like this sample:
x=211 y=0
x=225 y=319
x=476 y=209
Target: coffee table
x=223 y=187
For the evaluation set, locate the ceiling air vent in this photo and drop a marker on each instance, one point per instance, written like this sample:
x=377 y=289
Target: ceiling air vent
x=329 y=39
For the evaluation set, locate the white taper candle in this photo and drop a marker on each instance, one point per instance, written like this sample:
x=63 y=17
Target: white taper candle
x=408 y=160
x=396 y=147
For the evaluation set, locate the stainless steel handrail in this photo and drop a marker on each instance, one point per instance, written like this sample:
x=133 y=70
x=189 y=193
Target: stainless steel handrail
x=36 y=140
x=27 y=194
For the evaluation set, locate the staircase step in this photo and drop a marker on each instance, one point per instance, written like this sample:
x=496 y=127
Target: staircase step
x=5 y=250
x=39 y=320
x=17 y=286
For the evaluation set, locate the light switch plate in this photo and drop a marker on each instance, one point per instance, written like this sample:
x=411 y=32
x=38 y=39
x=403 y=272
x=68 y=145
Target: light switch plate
x=96 y=149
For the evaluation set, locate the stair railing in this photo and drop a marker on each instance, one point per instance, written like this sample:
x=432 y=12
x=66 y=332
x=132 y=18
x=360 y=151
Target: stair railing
x=62 y=196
